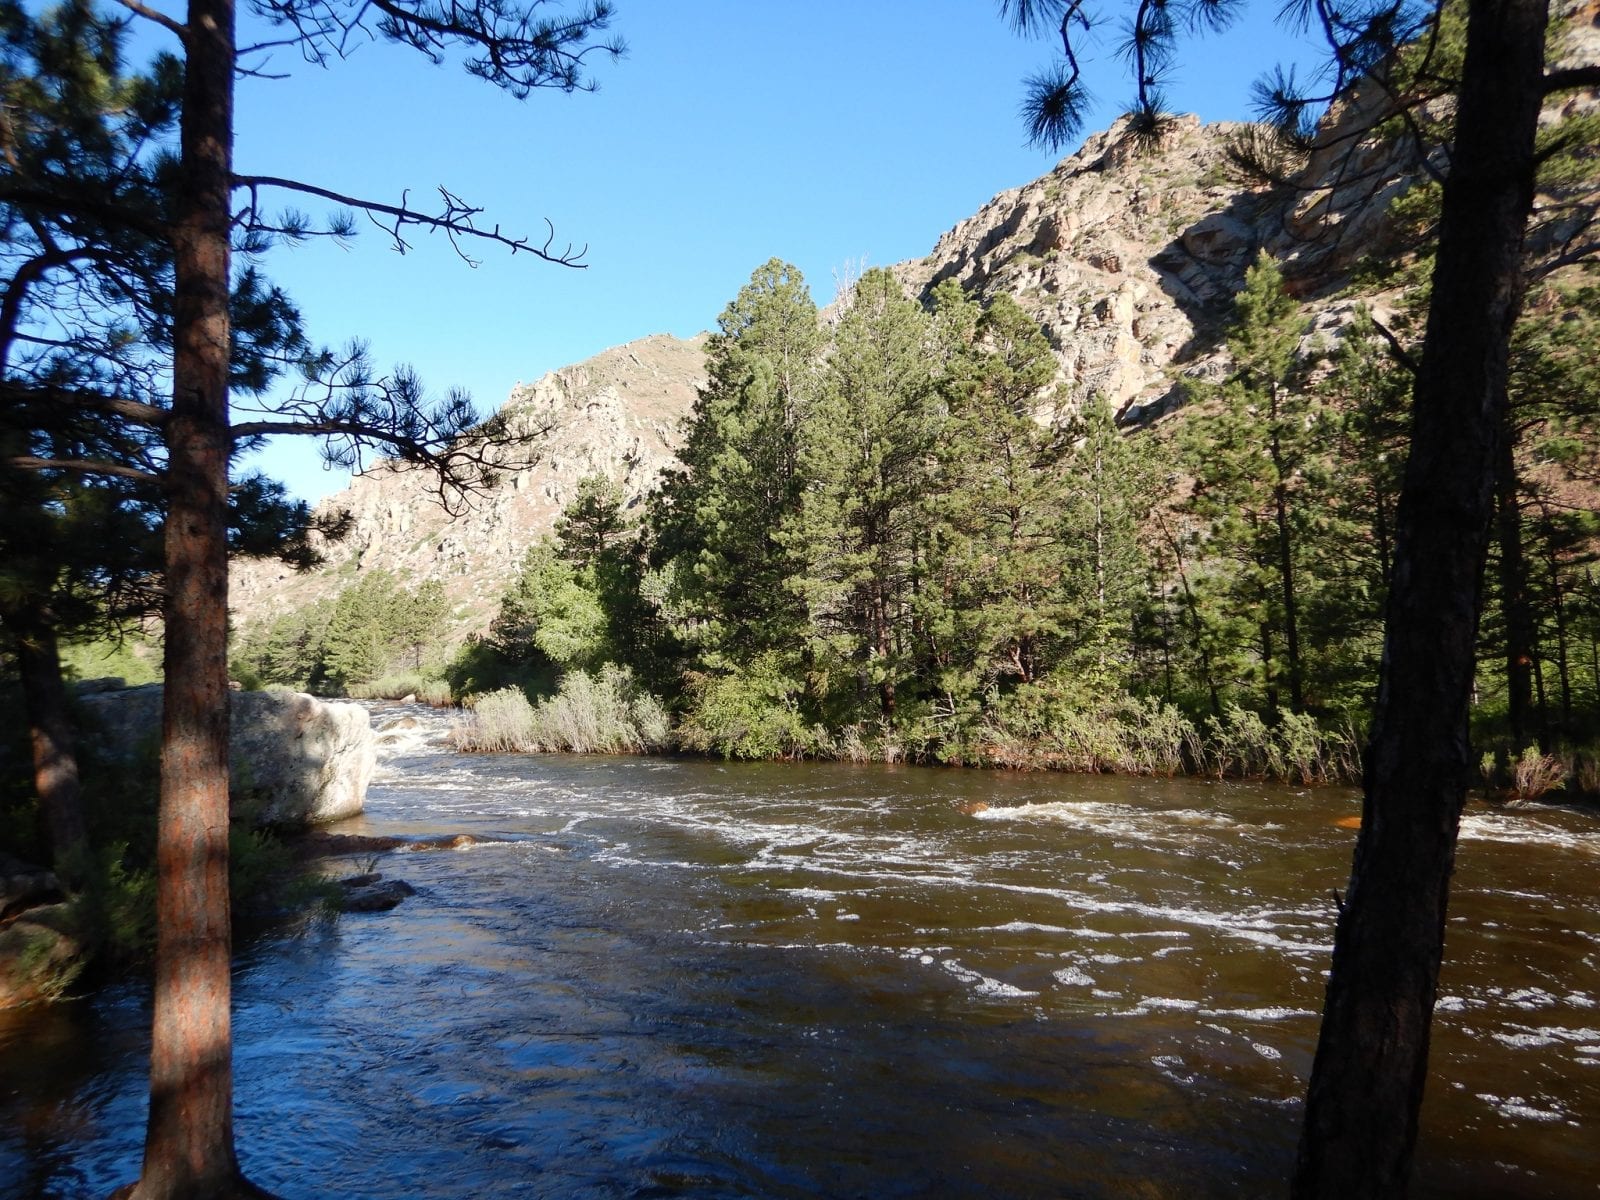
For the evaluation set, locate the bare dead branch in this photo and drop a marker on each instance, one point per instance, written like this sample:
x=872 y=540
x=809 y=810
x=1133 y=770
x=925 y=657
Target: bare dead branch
x=138 y=8
x=1572 y=78
x=456 y=219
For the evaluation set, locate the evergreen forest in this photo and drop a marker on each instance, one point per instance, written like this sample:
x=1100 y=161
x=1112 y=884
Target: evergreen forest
x=886 y=538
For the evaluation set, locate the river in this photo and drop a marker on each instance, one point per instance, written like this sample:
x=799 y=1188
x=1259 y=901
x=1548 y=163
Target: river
x=678 y=978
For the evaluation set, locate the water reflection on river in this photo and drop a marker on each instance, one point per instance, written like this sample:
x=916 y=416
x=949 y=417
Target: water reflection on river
x=689 y=979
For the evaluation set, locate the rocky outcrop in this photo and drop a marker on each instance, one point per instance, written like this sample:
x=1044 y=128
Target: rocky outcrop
x=23 y=885
x=294 y=760
x=618 y=414
x=1128 y=254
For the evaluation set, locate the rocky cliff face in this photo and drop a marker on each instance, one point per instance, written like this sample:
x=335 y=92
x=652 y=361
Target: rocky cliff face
x=618 y=414
x=1128 y=254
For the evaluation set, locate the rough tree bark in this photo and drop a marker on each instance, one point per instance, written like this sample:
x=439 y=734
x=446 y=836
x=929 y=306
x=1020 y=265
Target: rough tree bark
x=1371 y=1061
x=189 y=1150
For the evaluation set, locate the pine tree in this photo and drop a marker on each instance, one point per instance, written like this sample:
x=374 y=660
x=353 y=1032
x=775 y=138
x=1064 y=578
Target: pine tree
x=866 y=457
x=592 y=522
x=1251 y=466
x=1110 y=487
x=990 y=606
x=1366 y=395
x=719 y=516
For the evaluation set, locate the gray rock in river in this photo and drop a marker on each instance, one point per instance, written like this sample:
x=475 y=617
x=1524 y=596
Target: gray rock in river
x=294 y=759
x=372 y=893
x=23 y=885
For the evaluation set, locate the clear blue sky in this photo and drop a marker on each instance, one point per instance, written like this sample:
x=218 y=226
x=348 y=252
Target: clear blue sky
x=734 y=130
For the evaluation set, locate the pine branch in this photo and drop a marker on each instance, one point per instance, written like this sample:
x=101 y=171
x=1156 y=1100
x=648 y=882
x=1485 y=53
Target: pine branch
x=78 y=466
x=54 y=399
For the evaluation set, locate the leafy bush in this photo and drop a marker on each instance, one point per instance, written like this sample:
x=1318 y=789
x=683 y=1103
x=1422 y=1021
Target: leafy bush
x=499 y=722
x=1534 y=774
x=396 y=687
x=753 y=713
x=604 y=713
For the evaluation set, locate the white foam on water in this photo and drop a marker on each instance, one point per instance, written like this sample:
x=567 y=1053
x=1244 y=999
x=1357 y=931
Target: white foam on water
x=1171 y=1065
x=1027 y=927
x=1524 y=830
x=810 y=893
x=1156 y=1003
x=983 y=984
x=1269 y=1013
x=1265 y=1051
x=1073 y=977
x=1520 y=1109
x=1449 y=1004
x=842 y=915
x=1523 y=1041
x=1523 y=1036
x=1531 y=998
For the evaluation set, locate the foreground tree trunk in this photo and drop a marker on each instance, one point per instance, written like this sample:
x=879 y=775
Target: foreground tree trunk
x=1371 y=1062
x=189 y=1153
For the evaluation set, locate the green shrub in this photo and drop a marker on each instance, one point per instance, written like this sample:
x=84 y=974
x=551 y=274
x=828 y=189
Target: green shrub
x=1535 y=773
x=397 y=687
x=498 y=722
x=604 y=713
x=753 y=713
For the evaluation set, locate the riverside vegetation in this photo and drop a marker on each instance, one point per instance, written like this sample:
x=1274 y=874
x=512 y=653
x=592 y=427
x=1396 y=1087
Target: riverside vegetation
x=885 y=539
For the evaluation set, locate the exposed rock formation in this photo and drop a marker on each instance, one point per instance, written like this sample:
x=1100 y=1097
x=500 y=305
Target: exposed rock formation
x=295 y=760
x=618 y=414
x=1128 y=254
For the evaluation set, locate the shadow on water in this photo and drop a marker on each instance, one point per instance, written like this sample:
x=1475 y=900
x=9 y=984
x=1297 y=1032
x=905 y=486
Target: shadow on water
x=684 y=979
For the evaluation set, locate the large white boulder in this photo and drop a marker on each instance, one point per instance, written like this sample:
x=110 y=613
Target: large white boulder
x=294 y=759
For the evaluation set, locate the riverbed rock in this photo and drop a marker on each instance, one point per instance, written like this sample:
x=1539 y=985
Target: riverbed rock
x=370 y=892
x=23 y=885
x=321 y=844
x=295 y=760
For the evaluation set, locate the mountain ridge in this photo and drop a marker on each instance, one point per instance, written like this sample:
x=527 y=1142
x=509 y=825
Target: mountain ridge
x=1127 y=254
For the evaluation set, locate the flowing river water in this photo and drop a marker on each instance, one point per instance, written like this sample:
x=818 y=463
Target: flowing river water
x=680 y=978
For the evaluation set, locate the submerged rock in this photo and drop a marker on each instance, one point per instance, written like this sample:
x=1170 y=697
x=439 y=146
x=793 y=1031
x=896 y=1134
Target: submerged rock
x=294 y=759
x=23 y=885
x=370 y=892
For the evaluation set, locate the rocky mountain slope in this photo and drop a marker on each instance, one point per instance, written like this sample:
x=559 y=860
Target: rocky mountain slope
x=1127 y=253
x=617 y=414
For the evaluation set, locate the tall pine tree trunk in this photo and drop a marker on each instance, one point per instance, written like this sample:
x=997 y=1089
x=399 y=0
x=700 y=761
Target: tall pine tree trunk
x=1285 y=564
x=189 y=1151
x=1563 y=673
x=1372 y=1055
x=1515 y=609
